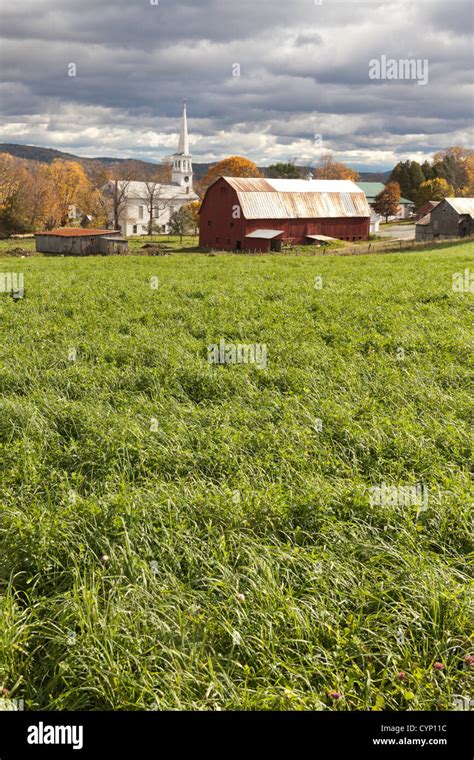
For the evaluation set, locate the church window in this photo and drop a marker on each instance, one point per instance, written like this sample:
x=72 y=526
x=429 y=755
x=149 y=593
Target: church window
x=134 y=229
x=140 y=212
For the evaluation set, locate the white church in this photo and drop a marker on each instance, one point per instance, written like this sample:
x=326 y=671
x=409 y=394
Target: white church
x=143 y=200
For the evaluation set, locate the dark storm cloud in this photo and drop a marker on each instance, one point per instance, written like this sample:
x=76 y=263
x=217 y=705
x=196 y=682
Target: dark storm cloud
x=304 y=71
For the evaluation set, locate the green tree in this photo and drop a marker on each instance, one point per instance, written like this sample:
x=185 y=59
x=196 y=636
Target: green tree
x=427 y=170
x=416 y=178
x=182 y=222
x=409 y=175
x=284 y=171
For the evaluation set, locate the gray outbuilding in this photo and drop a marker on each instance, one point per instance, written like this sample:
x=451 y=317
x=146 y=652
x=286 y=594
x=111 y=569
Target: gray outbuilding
x=75 y=241
x=450 y=218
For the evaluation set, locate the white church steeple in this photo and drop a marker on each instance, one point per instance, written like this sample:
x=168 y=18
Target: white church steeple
x=182 y=166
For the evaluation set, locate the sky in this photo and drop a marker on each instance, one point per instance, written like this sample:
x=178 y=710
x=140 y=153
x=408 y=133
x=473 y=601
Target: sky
x=272 y=80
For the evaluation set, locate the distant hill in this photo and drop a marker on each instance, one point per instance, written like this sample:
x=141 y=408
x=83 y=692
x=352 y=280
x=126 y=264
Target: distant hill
x=47 y=155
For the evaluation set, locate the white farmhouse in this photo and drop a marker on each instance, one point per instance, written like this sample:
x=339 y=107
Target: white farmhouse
x=138 y=201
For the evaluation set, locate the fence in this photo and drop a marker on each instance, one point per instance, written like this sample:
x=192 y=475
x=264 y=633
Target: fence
x=384 y=246
x=392 y=246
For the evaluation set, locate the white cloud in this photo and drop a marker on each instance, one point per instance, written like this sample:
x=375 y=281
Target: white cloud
x=304 y=71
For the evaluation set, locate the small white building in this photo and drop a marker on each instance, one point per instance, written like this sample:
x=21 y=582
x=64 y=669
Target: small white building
x=141 y=201
x=374 y=222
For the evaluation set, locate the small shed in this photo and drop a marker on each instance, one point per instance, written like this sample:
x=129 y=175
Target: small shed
x=75 y=241
x=267 y=237
x=112 y=246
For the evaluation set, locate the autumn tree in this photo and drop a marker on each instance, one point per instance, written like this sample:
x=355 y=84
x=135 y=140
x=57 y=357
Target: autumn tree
x=284 y=171
x=329 y=168
x=451 y=164
x=182 y=222
x=39 y=195
x=433 y=190
x=234 y=166
x=469 y=187
x=13 y=186
x=69 y=183
x=195 y=207
x=387 y=202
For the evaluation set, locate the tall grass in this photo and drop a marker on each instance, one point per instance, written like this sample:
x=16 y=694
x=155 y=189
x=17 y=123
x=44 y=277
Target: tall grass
x=181 y=535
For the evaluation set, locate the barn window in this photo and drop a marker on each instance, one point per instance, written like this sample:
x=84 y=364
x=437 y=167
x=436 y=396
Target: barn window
x=232 y=224
x=209 y=223
x=217 y=239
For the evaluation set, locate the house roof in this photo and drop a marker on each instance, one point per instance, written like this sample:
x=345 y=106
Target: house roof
x=372 y=189
x=262 y=198
x=76 y=232
x=462 y=205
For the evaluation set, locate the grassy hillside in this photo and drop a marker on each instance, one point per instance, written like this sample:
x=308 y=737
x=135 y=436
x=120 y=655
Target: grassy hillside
x=177 y=534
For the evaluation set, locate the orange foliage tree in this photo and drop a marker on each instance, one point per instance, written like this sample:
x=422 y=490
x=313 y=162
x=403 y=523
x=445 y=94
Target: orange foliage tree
x=386 y=203
x=70 y=185
x=329 y=168
x=233 y=166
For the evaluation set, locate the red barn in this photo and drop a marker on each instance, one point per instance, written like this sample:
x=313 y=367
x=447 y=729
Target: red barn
x=251 y=214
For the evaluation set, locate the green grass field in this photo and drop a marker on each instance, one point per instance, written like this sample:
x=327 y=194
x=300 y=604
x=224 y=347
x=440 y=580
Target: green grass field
x=176 y=534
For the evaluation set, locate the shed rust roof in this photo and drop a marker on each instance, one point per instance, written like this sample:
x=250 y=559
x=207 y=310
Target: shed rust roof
x=298 y=199
x=77 y=232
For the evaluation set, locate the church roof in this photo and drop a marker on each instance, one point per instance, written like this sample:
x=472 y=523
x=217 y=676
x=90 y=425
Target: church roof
x=139 y=190
x=183 y=147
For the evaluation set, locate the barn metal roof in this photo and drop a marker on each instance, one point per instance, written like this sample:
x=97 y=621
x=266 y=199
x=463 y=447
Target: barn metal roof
x=324 y=238
x=299 y=199
x=266 y=234
x=462 y=205
x=76 y=232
